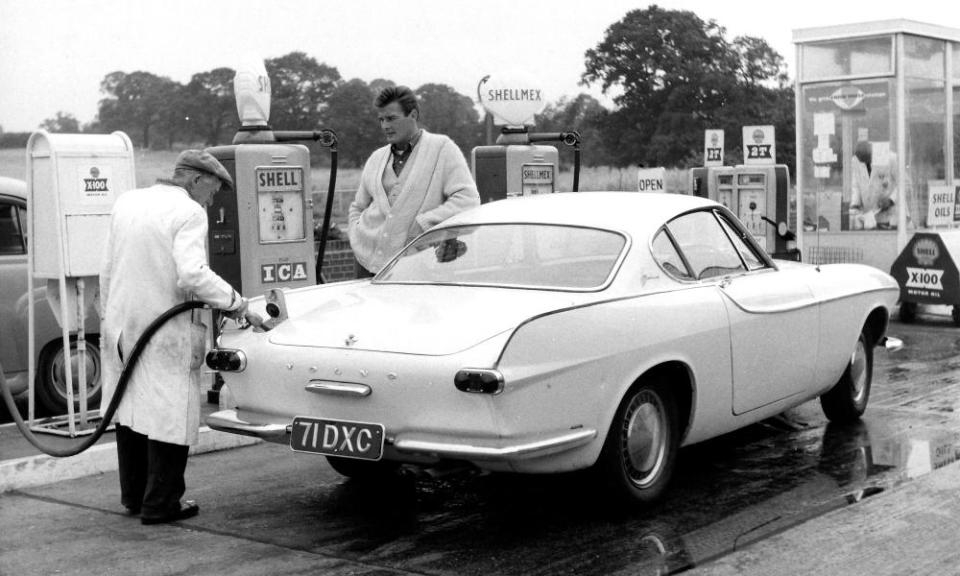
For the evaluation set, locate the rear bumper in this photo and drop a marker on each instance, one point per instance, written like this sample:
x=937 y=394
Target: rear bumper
x=422 y=444
x=230 y=421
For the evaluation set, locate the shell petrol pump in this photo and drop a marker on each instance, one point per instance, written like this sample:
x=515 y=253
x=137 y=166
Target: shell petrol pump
x=517 y=165
x=756 y=191
x=261 y=233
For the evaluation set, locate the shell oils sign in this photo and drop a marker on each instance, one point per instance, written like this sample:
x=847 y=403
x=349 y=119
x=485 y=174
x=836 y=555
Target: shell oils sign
x=926 y=270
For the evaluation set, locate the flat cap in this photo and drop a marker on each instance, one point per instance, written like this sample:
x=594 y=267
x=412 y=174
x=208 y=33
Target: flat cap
x=204 y=162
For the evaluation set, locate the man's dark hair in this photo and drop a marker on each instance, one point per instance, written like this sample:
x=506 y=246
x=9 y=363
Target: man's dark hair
x=401 y=94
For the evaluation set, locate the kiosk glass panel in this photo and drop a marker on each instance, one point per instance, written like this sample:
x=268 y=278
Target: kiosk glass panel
x=926 y=117
x=835 y=117
x=923 y=57
x=856 y=57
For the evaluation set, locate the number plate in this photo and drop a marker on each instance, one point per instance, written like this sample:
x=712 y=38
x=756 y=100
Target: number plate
x=337 y=438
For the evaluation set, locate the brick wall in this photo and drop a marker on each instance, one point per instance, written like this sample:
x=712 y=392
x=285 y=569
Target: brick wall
x=338 y=261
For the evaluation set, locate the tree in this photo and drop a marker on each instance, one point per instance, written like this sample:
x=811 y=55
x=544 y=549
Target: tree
x=211 y=107
x=676 y=75
x=351 y=114
x=300 y=87
x=583 y=114
x=141 y=103
x=445 y=111
x=64 y=123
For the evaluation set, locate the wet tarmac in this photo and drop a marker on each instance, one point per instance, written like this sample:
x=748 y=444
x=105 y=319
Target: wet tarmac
x=727 y=494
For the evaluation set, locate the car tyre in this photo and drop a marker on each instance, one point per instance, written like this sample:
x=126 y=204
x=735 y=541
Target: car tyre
x=847 y=400
x=51 y=378
x=363 y=469
x=640 y=452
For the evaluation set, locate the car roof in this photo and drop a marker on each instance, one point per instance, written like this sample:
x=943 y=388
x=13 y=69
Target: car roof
x=613 y=210
x=13 y=187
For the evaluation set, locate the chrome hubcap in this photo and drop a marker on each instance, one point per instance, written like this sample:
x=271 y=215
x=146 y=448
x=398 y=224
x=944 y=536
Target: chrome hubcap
x=59 y=368
x=858 y=371
x=644 y=438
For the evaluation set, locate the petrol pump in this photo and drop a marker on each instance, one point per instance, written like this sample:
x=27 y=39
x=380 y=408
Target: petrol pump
x=261 y=233
x=72 y=182
x=517 y=165
x=756 y=191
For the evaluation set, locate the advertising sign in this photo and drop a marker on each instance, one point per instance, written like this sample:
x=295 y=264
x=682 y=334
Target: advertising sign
x=759 y=145
x=512 y=103
x=940 y=211
x=713 y=147
x=651 y=180
x=926 y=270
x=536 y=179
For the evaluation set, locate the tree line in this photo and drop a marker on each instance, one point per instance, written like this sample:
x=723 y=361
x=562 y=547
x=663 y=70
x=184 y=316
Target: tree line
x=670 y=74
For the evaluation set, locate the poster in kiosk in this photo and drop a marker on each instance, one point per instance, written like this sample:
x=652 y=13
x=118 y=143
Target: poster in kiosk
x=261 y=233
x=927 y=273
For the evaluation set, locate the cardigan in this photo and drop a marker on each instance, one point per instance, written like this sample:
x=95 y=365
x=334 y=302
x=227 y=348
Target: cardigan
x=438 y=185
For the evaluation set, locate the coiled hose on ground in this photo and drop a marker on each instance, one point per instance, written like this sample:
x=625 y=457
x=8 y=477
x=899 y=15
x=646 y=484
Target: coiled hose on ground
x=117 y=394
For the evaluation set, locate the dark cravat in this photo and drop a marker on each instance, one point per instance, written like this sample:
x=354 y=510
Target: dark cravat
x=400 y=155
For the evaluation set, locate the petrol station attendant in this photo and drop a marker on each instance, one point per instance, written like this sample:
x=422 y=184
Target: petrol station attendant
x=156 y=258
x=413 y=183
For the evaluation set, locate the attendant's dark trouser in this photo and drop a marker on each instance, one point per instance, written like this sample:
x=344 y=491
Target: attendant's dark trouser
x=151 y=473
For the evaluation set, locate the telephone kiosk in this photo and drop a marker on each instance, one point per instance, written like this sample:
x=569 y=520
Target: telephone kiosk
x=758 y=196
x=261 y=237
x=518 y=165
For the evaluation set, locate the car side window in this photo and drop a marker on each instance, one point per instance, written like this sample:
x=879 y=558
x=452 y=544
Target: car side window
x=705 y=245
x=11 y=235
x=746 y=251
x=665 y=253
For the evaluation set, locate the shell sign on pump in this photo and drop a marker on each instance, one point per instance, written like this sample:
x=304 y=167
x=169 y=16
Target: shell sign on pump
x=512 y=103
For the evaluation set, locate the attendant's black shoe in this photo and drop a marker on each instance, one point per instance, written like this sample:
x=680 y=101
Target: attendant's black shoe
x=189 y=511
x=131 y=511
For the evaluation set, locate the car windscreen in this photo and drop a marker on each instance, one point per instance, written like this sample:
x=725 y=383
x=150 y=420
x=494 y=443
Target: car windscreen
x=515 y=255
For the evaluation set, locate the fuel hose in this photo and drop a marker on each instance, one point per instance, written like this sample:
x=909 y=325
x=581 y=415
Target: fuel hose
x=117 y=394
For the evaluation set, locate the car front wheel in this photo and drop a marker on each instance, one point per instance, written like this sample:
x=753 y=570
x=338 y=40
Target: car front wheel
x=640 y=451
x=52 y=366
x=847 y=400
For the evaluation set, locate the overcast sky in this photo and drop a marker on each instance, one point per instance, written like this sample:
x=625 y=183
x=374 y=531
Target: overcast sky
x=54 y=53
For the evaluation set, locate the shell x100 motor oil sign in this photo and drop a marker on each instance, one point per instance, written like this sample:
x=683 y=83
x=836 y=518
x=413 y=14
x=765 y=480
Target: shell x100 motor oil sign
x=926 y=271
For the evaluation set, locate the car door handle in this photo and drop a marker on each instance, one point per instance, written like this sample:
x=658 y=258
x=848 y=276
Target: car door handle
x=338 y=388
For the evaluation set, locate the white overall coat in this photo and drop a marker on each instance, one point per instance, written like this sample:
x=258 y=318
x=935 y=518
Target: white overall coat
x=156 y=258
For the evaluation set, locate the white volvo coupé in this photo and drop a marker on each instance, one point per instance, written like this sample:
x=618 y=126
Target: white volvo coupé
x=554 y=333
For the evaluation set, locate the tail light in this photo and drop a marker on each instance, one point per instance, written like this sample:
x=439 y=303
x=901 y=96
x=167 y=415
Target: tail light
x=479 y=381
x=226 y=360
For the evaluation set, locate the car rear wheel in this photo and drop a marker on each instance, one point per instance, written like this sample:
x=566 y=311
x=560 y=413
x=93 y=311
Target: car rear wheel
x=52 y=365
x=847 y=400
x=640 y=451
x=363 y=469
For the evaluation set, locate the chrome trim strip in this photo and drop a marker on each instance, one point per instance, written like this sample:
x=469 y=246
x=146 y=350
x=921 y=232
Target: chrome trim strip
x=515 y=451
x=229 y=421
x=338 y=388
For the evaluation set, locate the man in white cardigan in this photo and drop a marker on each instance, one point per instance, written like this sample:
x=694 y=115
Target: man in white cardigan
x=410 y=185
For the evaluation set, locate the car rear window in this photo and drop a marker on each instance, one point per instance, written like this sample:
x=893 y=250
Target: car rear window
x=514 y=255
